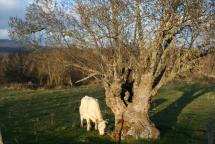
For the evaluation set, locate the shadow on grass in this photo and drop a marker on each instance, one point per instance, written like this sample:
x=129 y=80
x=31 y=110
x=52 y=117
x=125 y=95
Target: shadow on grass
x=69 y=138
x=157 y=102
x=166 y=119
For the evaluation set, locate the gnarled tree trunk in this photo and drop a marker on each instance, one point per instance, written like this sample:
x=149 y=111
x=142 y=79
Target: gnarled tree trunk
x=131 y=120
x=113 y=100
x=136 y=119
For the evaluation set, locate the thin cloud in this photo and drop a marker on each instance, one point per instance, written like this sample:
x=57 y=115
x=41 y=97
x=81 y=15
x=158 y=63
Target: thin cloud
x=10 y=4
x=4 y=34
x=10 y=8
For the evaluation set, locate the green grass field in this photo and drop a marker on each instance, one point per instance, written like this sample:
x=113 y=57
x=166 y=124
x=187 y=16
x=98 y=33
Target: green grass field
x=181 y=111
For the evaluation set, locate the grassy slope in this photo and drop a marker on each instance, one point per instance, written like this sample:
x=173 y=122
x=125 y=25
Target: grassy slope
x=181 y=111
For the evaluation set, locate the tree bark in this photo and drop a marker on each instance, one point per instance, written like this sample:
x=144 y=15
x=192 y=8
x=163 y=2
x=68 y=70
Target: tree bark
x=117 y=106
x=133 y=120
x=137 y=123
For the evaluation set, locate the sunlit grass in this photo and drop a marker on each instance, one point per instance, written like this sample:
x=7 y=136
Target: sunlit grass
x=180 y=110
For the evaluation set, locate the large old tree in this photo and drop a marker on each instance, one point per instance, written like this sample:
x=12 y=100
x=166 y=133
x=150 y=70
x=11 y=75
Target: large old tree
x=133 y=46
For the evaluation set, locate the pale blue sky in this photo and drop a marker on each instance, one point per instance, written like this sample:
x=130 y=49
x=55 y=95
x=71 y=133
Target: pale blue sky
x=10 y=8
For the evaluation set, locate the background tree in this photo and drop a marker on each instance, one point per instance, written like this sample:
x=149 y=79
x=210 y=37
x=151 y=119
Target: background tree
x=51 y=72
x=133 y=47
x=19 y=68
x=2 y=68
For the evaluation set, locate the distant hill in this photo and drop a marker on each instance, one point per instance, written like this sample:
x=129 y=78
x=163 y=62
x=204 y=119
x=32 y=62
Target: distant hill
x=10 y=46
